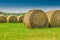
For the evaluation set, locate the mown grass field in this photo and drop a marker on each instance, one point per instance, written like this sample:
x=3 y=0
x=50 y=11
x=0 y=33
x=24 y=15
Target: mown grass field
x=17 y=31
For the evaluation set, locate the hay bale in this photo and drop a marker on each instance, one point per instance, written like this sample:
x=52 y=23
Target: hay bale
x=49 y=13
x=12 y=19
x=55 y=18
x=3 y=19
x=35 y=18
x=20 y=18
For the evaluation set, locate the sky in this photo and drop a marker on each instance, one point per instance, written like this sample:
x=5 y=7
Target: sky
x=18 y=6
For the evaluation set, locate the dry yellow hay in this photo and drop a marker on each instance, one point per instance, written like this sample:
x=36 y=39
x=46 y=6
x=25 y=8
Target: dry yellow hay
x=54 y=18
x=12 y=19
x=20 y=18
x=35 y=18
x=49 y=13
x=3 y=19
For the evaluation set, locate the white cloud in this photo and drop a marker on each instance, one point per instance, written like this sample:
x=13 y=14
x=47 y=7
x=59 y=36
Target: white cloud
x=12 y=10
x=22 y=10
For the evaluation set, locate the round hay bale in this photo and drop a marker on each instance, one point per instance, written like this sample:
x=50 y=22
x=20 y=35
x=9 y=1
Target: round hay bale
x=55 y=18
x=12 y=19
x=20 y=18
x=49 y=13
x=35 y=19
x=3 y=19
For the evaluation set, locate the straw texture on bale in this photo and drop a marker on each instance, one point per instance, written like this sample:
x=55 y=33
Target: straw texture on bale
x=49 y=13
x=20 y=19
x=3 y=19
x=35 y=18
x=12 y=19
x=55 y=18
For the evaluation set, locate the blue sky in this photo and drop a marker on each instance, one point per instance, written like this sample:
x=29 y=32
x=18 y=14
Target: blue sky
x=25 y=5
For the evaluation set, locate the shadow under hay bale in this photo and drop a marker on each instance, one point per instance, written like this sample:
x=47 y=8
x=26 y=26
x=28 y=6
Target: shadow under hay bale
x=20 y=18
x=35 y=19
x=49 y=25
x=3 y=19
x=12 y=19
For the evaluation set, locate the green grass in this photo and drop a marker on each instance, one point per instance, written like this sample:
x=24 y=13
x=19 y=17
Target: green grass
x=17 y=31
